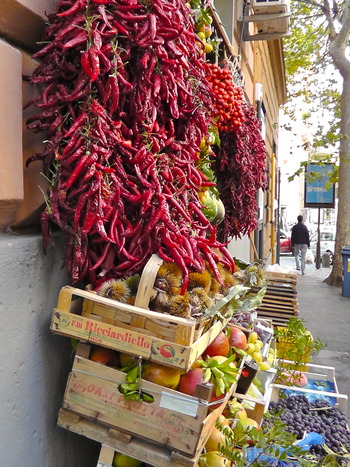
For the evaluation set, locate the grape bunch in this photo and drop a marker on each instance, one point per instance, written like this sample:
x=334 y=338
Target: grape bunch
x=300 y=416
x=244 y=319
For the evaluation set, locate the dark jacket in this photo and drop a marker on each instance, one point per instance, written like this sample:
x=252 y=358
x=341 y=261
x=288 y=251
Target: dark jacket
x=300 y=235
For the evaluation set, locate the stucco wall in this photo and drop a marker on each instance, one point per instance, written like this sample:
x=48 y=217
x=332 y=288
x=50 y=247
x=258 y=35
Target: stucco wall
x=34 y=363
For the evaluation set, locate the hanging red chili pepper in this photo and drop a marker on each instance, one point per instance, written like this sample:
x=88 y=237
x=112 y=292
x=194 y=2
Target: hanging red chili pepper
x=136 y=106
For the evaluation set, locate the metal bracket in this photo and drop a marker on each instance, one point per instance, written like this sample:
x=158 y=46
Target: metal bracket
x=265 y=17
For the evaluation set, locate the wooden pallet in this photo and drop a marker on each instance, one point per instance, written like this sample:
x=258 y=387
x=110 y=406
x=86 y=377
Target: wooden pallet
x=282 y=279
x=150 y=453
x=280 y=301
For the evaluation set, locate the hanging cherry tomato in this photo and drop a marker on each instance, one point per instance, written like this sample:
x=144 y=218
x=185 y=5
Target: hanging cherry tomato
x=228 y=99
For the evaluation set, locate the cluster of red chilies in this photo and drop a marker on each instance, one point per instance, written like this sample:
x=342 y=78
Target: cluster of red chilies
x=125 y=105
x=241 y=169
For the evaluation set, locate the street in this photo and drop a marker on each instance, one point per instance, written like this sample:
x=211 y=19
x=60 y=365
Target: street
x=327 y=316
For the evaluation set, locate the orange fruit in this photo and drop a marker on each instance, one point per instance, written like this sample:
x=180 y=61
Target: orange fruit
x=104 y=356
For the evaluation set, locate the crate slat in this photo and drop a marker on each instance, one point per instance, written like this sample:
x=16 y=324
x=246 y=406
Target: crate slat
x=106 y=457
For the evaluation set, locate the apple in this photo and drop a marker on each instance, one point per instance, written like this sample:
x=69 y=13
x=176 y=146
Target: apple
x=264 y=366
x=122 y=460
x=253 y=337
x=259 y=344
x=207 y=31
x=162 y=375
x=257 y=356
x=250 y=349
x=219 y=346
x=237 y=338
x=208 y=48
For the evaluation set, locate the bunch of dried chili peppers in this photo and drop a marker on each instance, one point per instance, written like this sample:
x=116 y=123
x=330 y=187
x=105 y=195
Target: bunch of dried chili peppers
x=240 y=167
x=124 y=104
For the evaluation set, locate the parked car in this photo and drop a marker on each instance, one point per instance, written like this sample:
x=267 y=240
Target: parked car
x=285 y=242
x=327 y=241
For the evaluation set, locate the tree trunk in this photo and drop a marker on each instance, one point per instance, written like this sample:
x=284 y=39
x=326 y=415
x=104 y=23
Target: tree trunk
x=343 y=218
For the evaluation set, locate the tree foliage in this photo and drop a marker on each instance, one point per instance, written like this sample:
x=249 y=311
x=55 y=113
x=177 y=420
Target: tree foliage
x=318 y=71
x=313 y=82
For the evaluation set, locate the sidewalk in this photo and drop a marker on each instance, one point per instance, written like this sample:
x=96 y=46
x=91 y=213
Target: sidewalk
x=327 y=316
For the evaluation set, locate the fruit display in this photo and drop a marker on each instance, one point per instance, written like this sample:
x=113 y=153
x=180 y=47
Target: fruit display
x=241 y=433
x=252 y=345
x=302 y=416
x=151 y=149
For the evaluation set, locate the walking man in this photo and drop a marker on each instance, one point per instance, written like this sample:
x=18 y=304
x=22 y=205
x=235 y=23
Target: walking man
x=300 y=243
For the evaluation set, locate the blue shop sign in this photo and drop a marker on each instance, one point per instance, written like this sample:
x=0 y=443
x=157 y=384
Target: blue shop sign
x=318 y=192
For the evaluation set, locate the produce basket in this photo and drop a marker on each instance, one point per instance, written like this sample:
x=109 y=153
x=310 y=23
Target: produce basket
x=160 y=337
x=321 y=385
x=178 y=421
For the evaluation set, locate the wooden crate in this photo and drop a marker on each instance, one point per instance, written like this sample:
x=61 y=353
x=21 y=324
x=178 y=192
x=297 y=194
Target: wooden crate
x=318 y=373
x=180 y=422
x=280 y=300
x=166 y=339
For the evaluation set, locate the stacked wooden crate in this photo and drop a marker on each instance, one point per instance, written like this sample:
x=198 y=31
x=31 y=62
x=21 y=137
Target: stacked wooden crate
x=178 y=424
x=280 y=302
